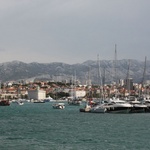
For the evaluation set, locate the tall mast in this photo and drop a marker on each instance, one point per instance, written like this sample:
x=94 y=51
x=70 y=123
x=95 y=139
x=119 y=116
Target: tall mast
x=100 y=77
x=143 y=79
x=115 y=64
x=89 y=76
x=128 y=76
x=144 y=73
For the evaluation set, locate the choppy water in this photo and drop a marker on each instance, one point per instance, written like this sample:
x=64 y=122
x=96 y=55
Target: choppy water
x=40 y=127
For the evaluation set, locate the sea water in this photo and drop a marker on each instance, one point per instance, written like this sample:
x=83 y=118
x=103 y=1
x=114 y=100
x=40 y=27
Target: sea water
x=37 y=126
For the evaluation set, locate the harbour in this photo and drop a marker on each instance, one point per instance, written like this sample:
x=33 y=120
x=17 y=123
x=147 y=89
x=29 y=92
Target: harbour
x=39 y=126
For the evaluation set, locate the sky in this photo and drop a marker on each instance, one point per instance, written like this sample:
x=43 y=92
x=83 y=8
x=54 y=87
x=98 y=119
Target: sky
x=74 y=31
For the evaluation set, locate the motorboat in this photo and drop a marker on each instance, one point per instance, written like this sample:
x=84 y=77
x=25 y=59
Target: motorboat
x=118 y=106
x=48 y=99
x=138 y=107
x=87 y=108
x=38 y=101
x=4 y=103
x=100 y=108
x=58 y=106
x=20 y=103
x=147 y=103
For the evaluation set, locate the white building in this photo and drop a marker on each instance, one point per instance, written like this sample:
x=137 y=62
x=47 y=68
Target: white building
x=36 y=94
x=79 y=93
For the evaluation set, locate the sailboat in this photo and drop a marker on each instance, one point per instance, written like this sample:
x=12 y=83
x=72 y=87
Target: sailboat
x=137 y=106
x=74 y=100
x=89 y=102
x=99 y=107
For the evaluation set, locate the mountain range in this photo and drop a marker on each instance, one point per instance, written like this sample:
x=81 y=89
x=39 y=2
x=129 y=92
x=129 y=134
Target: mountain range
x=90 y=70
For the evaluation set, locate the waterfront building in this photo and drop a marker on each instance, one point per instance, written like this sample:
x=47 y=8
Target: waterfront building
x=77 y=93
x=36 y=94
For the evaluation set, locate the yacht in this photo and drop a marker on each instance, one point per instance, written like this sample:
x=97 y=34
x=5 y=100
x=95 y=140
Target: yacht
x=138 y=107
x=118 y=106
x=147 y=103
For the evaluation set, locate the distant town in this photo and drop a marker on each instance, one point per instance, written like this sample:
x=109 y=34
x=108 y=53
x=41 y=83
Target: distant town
x=63 y=90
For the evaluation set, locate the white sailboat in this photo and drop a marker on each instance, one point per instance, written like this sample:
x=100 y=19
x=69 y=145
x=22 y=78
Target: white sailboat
x=99 y=107
x=74 y=100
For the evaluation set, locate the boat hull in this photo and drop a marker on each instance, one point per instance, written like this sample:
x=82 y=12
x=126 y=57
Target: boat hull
x=59 y=106
x=4 y=103
x=119 y=110
x=138 y=110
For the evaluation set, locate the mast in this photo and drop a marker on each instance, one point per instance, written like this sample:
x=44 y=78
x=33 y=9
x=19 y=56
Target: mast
x=127 y=79
x=143 y=79
x=115 y=64
x=100 y=77
x=144 y=73
x=89 y=86
x=75 y=80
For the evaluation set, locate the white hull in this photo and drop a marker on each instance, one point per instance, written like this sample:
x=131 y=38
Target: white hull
x=59 y=106
x=98 y=109
x=119 y=106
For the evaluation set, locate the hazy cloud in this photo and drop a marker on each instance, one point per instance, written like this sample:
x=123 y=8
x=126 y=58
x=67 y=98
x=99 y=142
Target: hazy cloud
x=73 y=31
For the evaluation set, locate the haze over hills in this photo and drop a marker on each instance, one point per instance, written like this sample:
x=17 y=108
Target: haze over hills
x=57 y=71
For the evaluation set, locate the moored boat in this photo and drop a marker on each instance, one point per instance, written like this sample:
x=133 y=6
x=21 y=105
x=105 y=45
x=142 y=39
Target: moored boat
x=118 y=106
x=74 y=101
x=38 y=101
x=20 y=103
x=100 y=108
x=4 y=103
x=58 y=106
x=138 y=107
x=87 y=108
x=147 y=103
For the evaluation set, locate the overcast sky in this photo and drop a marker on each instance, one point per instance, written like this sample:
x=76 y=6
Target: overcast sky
x=73 y=31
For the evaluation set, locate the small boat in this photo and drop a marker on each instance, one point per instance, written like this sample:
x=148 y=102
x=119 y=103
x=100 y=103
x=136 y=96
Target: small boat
x=38 y=101
x=20 y=103
x=87 y=108
x=100 y=108
x=59 y=106
x=74 y=101
x=48 y=99
x=4 y=103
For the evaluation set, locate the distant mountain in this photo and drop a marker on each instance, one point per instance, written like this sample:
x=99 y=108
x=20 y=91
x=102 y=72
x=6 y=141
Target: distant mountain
x=16 y=70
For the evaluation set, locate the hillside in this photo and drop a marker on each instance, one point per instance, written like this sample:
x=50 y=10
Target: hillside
x=17 y=70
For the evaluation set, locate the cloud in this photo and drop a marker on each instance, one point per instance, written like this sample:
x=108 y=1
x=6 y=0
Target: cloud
x=74 y=30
